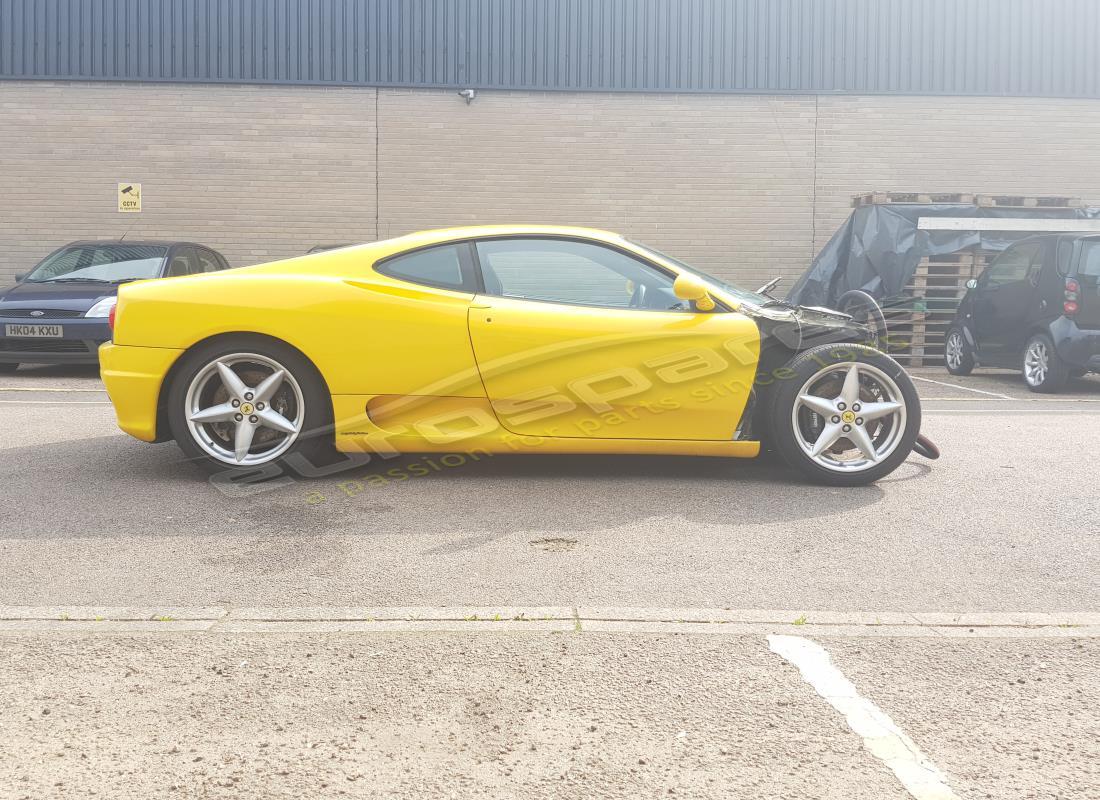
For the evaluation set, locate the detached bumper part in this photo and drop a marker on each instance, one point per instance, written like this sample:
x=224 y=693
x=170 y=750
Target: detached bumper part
x=926 y=447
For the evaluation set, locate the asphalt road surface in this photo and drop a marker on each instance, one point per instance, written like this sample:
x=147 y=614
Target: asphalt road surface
x=536 y=626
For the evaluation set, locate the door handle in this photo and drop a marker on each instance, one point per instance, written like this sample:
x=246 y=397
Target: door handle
x=484 y=309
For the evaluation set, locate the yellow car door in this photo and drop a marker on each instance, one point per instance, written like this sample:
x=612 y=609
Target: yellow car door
x=577 y=338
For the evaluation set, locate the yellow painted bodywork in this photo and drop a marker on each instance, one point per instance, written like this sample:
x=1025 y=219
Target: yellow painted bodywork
x=610 y=373
x=133 y=377
x=412 y=368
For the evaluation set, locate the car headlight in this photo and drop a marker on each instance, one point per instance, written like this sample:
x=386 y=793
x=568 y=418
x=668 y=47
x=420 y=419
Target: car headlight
x=102 y=308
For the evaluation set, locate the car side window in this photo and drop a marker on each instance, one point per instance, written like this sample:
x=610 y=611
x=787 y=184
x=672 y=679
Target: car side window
x=206 y=261
x=1064 y=256
x=574 y=273
x=1089 y=263
x=1012 y=266
x=180 y=263
x=435 y=266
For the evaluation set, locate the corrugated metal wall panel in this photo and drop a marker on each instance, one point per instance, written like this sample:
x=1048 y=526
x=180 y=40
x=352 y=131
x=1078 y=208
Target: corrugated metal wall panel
x=1010 y=47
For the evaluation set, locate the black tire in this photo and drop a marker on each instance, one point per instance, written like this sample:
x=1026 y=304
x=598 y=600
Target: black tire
x=762 y=430
x=313 y=443
x=965 y=363
x=1056 y=374
x=8 y=369
x=825 y=360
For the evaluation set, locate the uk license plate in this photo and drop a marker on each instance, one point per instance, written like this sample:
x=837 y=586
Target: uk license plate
x=35 y=331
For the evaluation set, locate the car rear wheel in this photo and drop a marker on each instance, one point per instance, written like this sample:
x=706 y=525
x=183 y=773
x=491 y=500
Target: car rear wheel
x=1044 y=369
x=238 y=405
x=956 y=353
x=848 y=416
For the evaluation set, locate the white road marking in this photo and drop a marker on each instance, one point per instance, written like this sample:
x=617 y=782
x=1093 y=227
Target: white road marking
x=881 y=737
x=56 y=402
x=1011 y=411
x=964 y=388
x=34 y=389
x=1013 y=399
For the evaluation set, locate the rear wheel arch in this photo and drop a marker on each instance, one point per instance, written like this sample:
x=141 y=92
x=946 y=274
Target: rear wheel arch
x=1040 y=327
x=1033 y=330
x=164 y=434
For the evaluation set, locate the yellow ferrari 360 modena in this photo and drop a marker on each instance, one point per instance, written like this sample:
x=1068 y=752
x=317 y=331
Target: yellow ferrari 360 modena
x=500 y=339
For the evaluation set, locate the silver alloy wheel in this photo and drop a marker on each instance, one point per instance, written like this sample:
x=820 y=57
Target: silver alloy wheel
x=1036 y=363
x=244 y=409
x=849 y=417
x=954 y=351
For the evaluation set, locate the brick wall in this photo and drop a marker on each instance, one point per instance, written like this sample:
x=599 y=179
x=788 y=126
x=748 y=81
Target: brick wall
x=720 y=181
x=988 y=145
x=256 y=172
x=746 y=186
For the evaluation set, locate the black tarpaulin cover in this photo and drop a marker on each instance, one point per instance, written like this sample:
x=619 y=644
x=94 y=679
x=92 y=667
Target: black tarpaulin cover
x=878 y=248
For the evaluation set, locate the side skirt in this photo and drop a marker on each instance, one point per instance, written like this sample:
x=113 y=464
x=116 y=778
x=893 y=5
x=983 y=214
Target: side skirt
x=467 y=425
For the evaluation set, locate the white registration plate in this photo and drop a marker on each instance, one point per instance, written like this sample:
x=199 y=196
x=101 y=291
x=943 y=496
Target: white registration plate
x=35 y=331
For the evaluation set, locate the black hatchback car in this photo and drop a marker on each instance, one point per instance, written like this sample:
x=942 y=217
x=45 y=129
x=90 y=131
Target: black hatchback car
x=57 y=314
x=1035 y=308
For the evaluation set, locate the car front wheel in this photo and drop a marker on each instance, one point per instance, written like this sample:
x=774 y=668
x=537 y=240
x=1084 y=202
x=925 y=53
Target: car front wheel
x=847 y=416
x=956 y=353
x=1044 y=369
x=244 y=404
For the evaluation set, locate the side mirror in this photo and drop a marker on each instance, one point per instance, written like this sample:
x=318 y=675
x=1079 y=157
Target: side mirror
x=19 y=276
x=688 y=287
x=972 y=283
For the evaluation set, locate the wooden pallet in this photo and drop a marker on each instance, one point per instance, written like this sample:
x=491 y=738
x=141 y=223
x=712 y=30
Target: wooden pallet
x=980 y=200
x=889 y=198
x=1026 y=201
x=921 y=317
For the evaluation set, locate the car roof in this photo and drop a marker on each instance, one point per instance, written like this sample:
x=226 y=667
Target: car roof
x=318 y=262
x=436 y=235
x=148 y=242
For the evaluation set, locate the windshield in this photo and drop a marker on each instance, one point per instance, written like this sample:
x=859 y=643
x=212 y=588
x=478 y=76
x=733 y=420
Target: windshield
x=109 y=263
x=743 y=295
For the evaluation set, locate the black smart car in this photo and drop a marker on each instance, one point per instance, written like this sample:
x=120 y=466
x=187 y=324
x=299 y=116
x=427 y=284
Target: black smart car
x=1036 y=308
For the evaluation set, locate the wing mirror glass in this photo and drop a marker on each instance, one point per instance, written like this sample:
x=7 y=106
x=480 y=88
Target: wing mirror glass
x=972 y=283
x=688 y=287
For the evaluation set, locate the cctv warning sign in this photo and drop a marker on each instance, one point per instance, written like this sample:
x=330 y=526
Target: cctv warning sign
x=129 y=197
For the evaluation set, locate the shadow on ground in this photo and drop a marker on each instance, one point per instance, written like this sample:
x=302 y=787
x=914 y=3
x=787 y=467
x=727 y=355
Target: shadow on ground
x=111 y=486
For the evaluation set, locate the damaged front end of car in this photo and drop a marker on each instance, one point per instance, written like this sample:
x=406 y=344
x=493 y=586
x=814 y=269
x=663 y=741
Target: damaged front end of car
x=829 y=337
